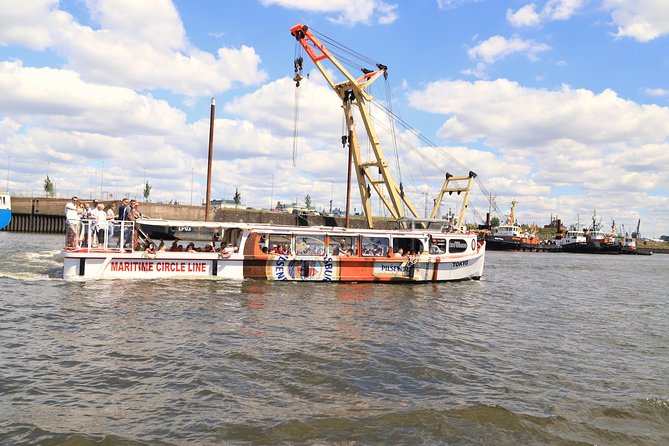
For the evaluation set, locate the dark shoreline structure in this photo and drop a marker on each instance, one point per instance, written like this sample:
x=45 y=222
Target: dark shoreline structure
x=45 y=215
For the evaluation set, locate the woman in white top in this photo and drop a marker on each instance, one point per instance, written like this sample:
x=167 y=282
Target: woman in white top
x=100 y=217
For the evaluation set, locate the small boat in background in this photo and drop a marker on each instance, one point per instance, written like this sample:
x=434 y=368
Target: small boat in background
x=593 y=240
x=511 y=237
x=5 y=210
x=630 y=245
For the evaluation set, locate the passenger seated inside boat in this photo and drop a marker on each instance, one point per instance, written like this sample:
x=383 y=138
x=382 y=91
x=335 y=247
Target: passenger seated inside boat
x=399 y=253
x=375 y=246
x=344 y=247
x=151 y=249
x=226 y=249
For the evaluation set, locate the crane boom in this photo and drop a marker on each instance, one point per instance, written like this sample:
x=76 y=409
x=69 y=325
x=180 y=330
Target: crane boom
x=353 y=93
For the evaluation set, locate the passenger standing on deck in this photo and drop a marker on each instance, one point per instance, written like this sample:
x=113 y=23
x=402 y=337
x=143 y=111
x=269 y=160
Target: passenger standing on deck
x=110 y=227
x=135 y=215
x=72 y=217
x=122 y=216
x=100 y=217
x=129 y=216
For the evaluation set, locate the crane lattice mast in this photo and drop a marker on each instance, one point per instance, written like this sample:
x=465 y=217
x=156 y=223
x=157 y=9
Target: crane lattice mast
x=353 y=93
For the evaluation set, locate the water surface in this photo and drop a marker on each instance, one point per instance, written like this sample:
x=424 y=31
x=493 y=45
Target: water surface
x=547 y=349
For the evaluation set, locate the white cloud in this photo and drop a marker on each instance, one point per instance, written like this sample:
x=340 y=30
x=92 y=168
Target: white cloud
x=642 y=20
x=138 y=45
x=348 y=12
x=273 y=103
x=553 y=10
x=605 y=149
x=63 y=100
x=499 y=47
x=450 y=4
x=27 y=23
x=525 y=16
x=656 y=92
x=517 y=116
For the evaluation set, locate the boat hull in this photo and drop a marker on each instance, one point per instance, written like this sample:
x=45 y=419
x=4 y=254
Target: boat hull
x=592 y=248
x=5 y=210
x=87 y=265
x=497 y=243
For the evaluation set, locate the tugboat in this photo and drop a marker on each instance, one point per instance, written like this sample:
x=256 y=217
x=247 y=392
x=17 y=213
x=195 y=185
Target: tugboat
x=629 y=244
x=596 y=240
x=511 y=237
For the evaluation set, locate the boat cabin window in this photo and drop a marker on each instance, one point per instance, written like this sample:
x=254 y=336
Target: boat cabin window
x=457 y=245
x=375 y=246
x=408 y=244
x=343 y=245
x=279 y=244
x=438 y=246
x=309 y=245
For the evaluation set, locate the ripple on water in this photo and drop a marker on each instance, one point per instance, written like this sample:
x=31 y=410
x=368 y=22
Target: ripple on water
x=534 y=353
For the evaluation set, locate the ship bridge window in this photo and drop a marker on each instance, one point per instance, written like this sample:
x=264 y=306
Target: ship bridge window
x=279 y=244
x=343 y=245
x=309 y=245
x=457 y=245
x=408 y=244
x=375 y=246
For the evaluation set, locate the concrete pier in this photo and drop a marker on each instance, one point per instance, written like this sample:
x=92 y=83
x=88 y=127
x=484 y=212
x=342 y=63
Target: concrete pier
x=46 y=215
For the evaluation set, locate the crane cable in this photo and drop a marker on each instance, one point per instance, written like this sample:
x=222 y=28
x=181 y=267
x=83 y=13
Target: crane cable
x=347 y=55
x=439 y=149
x=298 y=64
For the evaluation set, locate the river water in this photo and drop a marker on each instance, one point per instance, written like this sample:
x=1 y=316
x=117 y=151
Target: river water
x=546 y=349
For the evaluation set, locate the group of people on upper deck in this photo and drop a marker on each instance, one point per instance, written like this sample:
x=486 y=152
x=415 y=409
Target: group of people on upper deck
x=92 y=221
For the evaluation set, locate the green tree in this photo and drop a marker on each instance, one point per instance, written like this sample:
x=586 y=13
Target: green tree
x=307 y=201
x=147 y=191
x=237 y=198
x=494 y=222
x=49 y=187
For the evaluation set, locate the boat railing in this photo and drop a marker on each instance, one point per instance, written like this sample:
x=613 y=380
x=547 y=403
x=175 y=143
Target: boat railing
x=437 y=224
x=117 y=235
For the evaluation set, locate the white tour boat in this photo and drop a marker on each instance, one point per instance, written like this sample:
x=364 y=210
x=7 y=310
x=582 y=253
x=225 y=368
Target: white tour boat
x=418 y=250
x=285 y=253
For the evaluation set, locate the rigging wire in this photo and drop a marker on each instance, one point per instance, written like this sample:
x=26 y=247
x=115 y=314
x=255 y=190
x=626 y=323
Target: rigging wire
x=440 y=150
x=393 y=135
x=298 y=63
x=348 y=56
x=331 y=43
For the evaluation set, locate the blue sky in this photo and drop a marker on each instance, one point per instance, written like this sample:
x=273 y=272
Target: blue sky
x=562 y=105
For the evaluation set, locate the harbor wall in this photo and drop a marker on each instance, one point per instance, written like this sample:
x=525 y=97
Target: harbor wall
x=46 y=215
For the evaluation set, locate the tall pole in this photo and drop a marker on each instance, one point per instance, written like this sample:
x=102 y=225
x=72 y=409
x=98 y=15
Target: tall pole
x=348 y=181
x=271 y=195
x=211 y=150
x=9 y=157
x=102 y=179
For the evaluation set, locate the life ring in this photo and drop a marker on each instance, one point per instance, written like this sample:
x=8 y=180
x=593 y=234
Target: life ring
x=474 y=244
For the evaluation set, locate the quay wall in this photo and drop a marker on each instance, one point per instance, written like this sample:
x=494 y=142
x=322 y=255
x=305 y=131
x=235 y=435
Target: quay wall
x=46 y=215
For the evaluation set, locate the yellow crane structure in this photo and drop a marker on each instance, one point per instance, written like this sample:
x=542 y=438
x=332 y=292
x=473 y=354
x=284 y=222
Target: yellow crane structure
x=353 y=94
